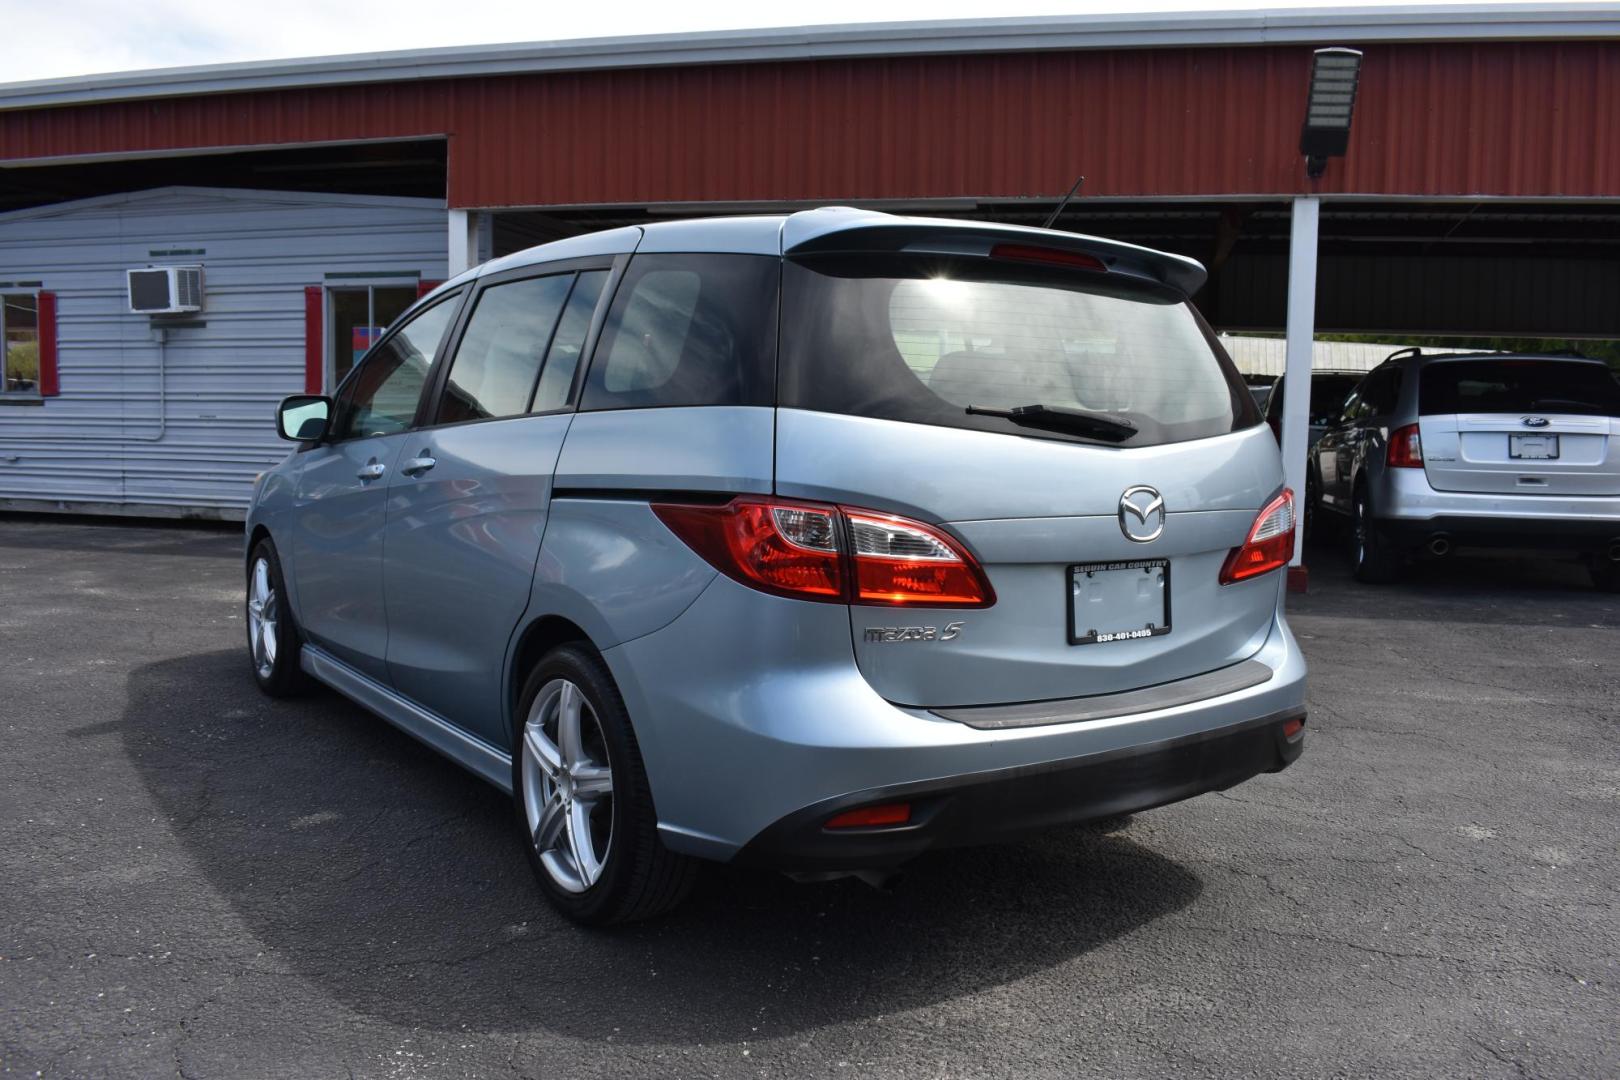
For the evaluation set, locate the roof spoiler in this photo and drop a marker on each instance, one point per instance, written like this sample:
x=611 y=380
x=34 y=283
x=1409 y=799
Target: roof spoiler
x=846 y=229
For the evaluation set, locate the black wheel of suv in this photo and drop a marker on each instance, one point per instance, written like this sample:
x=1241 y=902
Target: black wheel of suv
x=1605 y=573
x=272 y=637
x=1375 y=559
x=583 y=803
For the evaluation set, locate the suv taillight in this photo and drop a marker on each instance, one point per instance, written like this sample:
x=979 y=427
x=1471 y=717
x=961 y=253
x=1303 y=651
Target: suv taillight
x=1270 y=543
x=836 y=554
x=1405 y=449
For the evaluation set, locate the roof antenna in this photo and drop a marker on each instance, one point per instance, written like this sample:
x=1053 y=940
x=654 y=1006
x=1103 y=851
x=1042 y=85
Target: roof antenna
x=1064 y=203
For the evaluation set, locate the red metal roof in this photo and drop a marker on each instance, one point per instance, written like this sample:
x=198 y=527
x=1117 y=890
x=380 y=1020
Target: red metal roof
x=1520 y=119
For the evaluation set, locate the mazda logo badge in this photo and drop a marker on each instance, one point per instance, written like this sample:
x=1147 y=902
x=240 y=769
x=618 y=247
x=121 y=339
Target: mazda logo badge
x=1141 y=514
x=1536 y=421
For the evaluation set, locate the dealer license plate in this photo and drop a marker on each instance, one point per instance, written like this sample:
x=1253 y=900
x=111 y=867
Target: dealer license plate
x=1118 y=601
x=1533 y=447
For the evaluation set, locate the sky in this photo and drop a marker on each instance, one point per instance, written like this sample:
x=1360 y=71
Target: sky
x=43 y=39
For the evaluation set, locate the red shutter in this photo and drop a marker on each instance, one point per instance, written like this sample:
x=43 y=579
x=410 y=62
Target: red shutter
x=50 y=384
x=314 y=335
x=425 y=287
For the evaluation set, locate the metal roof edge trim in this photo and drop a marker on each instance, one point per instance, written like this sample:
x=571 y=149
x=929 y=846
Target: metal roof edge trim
x=1359 y=25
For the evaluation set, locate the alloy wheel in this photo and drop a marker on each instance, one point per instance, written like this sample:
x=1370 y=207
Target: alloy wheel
x=567 y=786
x=262 y=612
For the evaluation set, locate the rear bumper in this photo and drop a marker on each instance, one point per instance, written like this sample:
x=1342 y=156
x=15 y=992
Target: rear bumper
x=1549 y=534
x=1412 y=512
x=750 y=712
x=1009 y=803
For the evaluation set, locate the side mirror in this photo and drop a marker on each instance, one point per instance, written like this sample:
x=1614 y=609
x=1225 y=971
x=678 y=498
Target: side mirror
x=303 y=417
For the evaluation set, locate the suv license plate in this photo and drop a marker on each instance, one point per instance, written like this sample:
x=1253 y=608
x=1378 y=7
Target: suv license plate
x=1533 y=447
x=1118 y=601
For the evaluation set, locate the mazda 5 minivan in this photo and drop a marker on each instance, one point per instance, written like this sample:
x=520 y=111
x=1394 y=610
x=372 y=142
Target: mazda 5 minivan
x=811 y=542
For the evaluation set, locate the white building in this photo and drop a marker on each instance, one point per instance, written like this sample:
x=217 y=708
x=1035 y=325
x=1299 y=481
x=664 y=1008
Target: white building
x=103 y=410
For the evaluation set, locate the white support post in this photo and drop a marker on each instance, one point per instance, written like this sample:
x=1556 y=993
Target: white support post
x=1296 y=417
x=464 y=240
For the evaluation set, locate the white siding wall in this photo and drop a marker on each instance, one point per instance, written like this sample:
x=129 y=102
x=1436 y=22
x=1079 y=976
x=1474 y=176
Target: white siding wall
x=1264 y=356
x=94 y=446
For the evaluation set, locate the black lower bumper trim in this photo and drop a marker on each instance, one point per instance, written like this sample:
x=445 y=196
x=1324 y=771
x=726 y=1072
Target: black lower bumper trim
x=1547 y=534
x=1002 y=805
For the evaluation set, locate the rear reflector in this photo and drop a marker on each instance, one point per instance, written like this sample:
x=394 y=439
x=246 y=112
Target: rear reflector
x=836 y=554
x=1405 y=448
x=1293 y=727
x=872 y=817
x=1270 y=543
x=1079 y=260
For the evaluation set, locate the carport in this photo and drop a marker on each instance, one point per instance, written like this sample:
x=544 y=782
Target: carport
x=1479 y=195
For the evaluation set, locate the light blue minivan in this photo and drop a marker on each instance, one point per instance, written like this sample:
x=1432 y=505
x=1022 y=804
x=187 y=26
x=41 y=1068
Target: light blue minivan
x=813 y=542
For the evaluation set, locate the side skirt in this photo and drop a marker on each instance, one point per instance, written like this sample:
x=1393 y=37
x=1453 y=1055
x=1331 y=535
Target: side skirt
x=471 y=753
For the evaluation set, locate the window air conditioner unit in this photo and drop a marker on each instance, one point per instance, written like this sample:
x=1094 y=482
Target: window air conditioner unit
x=165 y=290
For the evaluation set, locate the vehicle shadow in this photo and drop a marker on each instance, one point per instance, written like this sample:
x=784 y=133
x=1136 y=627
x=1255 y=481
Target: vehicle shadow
x=395 y=882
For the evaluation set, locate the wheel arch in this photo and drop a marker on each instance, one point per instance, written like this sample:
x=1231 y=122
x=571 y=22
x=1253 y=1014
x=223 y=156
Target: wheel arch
x=534 y=641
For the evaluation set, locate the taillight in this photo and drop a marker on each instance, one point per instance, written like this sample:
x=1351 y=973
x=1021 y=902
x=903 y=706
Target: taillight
x=1405 y=449
x=1270 y=543
x=844 y=555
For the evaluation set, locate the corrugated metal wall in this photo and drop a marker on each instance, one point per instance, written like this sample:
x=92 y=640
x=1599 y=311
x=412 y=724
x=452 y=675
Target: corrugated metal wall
x=1443 y=119
x=1523 y=296
x=104 y=440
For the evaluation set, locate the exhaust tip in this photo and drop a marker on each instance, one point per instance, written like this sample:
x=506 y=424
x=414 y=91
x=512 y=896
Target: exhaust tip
x=1440 y=546
x=1614 y=551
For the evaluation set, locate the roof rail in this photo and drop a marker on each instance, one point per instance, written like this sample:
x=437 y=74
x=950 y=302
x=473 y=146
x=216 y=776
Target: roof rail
x=1401 y=354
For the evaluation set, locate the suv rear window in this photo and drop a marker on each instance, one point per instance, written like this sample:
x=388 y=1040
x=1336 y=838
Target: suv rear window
x=1584 y=387
x=688 y=330
x=921 y=339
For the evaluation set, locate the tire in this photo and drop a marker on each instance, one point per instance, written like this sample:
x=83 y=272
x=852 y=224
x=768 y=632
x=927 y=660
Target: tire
x=1374 y=559
x=584 y=807
x=273 y=646
x=1605 y=574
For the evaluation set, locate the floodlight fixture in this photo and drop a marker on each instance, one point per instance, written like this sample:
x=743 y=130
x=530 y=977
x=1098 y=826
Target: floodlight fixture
x=1332 y=100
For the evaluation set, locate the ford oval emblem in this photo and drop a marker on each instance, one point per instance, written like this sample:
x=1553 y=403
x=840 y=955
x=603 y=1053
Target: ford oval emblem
x=1536 y=421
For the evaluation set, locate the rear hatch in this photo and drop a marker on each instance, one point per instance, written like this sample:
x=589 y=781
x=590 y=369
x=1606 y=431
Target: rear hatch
x=886 y=344
x=1520 y=426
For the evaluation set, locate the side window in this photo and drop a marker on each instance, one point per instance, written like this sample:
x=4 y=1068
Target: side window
x=382 y=396
x=496 y=364
x=1377 y=393
x=689 y=330
x=562 y=360
x=1352 y=409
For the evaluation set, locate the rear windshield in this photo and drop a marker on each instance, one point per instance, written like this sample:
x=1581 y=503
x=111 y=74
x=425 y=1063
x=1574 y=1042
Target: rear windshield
x=1584 y=387
x=920 y=340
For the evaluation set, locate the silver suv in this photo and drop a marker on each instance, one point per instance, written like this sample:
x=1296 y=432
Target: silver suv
x=1432 y=453
x=811 y=542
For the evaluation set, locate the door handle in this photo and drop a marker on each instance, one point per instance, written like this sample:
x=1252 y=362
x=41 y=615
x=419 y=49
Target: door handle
x=418 y=465
x=372 y=471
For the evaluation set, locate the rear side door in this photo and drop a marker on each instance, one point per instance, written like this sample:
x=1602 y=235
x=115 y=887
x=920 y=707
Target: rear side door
x=468 y=501
x=882 y=356
x=1520 y=426
x=342 y=490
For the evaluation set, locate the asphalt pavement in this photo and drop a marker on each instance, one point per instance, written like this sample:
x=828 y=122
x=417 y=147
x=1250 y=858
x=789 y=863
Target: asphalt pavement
x=198 y=881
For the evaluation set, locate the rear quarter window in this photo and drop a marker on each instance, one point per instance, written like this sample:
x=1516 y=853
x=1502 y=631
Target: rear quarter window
x=688 y=330
x=920 y=340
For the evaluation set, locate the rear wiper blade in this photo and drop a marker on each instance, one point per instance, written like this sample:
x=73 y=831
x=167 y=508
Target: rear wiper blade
x=1058 y=418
